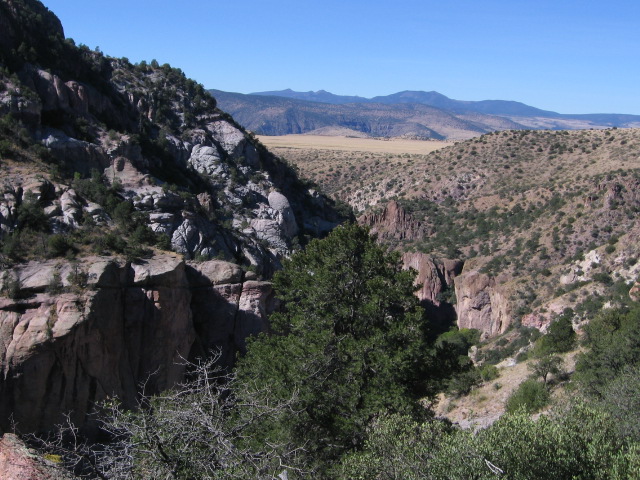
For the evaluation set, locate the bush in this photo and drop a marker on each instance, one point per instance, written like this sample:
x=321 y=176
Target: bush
x=30 y=215
x=11 y=286
x=559 y=339
x=545 y=366
x=489 y=372
x=55 y=284
x=613 y=339
x=463 y=383
x=531 y=396
x=58 y=245
x=78 y=278
x=194 y=431
x=603 y=278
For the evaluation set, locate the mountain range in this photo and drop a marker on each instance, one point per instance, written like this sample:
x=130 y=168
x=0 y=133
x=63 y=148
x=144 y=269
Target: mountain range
x=408 y=114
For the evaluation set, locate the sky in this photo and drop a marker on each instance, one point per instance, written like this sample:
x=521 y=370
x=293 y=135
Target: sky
x=569 y=56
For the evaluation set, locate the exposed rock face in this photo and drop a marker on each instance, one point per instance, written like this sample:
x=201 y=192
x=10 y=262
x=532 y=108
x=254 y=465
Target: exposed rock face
x=434 y=276
x=286 y=218
x=393 y=223
x=136 y=323
x=17 y=462
x=83 y=156
x=207 y=161
x=198 y=175
x=436 y=279
x=481 y=303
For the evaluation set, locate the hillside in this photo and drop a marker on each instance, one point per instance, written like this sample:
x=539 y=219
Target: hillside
x=157 y=138
x=542 y=220
x=138 y=224
x=409 y=114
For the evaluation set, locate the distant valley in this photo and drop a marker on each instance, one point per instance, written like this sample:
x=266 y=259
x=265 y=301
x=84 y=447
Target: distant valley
x=408 y=114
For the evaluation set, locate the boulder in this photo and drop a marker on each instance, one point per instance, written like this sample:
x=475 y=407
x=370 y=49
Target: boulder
x=207 y=160
x=186 y=238
x=271 y=232
x=286 y=217
x=213 y=272
x=233 y=142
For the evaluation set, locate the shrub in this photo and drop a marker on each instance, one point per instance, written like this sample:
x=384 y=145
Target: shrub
x=11 y=285
x=58 y=245
x=489 y=372
x=78 y=278
x=603 y=278
x=531 y=396
x=463 y=383
x=55 y=284
x=545 y=366
x=559 y=339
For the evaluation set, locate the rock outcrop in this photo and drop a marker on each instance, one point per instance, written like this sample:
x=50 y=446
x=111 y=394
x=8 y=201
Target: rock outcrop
x=103 y=156
x=63 y=348
x=393 y=223
x=481 y=303
x=17 y=462
x=434 y=276
x=152 y=134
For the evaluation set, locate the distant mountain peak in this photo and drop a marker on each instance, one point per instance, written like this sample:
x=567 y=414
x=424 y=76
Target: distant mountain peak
x=410 y=113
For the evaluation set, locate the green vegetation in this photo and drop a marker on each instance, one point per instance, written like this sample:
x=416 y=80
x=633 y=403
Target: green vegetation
x=572 y=444
x=508 y=345
x=352 y=342
x=613 y=340
x=560 y=337
x=531 y=396
x=32 y=236
x=545 y=366
x=334 y=393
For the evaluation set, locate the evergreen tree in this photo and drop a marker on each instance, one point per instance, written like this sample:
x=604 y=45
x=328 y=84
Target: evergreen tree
x=351 y=342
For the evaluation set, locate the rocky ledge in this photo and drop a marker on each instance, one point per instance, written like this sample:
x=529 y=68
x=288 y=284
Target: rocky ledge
x=76 y=333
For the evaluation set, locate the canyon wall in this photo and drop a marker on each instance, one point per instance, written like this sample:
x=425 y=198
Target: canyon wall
x=64 y=347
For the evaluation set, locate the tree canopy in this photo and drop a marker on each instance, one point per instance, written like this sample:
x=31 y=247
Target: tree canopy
x=351 y=341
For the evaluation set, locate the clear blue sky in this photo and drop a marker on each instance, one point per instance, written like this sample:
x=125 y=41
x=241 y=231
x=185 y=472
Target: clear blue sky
x=571 y=56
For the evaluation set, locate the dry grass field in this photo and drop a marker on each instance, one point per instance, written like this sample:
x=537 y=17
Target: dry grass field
x=351 y=144
x=356 y=170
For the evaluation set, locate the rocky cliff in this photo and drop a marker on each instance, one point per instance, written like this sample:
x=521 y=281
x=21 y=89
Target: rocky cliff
x=482 y=303
x=152 y=136
x=394 y=223
x=138 y=224
x=65 y=346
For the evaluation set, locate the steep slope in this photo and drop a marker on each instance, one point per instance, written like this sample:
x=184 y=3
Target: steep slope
x=156 y=139
x=76 y=333
x=114 y=177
